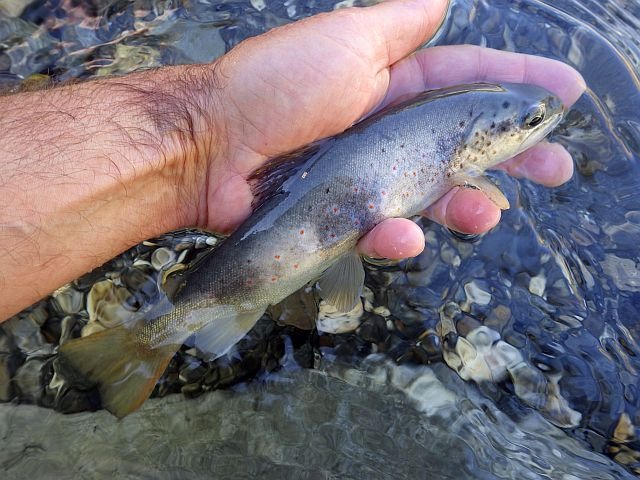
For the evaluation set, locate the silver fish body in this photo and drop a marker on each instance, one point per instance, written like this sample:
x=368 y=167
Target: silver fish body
x=393 y=164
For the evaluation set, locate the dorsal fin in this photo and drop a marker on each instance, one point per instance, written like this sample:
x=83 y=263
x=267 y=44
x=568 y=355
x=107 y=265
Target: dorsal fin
x=267 y=180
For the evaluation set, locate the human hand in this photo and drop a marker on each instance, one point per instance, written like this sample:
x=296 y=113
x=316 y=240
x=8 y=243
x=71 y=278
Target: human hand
x=316 y=77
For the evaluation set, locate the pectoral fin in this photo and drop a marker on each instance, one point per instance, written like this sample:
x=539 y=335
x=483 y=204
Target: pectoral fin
x=341 y=284
x=217 y=337
x=487 y=187
x=125 y=371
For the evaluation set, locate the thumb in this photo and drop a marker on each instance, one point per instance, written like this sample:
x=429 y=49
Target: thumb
x=397 y=27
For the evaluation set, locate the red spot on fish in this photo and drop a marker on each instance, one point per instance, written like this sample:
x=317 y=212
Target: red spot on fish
x=273 y=279
x=355 y=189
x=383 y=192
x=371 y=206
x=277 y=257
x=249 y=282
x=394 y=168
x=356 y=221
x=335 y=209
x=333 y=235
x=414 y=173
x=301 y=232
x=295 y=265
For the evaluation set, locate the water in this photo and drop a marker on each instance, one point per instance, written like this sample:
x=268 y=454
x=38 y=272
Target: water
x=558 y=279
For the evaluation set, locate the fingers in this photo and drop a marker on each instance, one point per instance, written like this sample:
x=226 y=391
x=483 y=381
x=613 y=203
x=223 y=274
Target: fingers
x=394 y=238
x=398 y=27
x=548 y=164
x=450 y=65
x=462 y=209
x=465 y=210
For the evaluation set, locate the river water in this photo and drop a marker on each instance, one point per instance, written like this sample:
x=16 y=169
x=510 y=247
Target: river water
x=555 y=289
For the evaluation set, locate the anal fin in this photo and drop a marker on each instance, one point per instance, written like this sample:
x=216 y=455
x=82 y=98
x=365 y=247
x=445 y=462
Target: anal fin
x=126 y=372
x=216 y=337
x=341 y=284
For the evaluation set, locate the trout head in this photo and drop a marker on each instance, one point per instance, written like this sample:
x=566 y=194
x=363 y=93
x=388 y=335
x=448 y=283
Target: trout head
x=504 y=121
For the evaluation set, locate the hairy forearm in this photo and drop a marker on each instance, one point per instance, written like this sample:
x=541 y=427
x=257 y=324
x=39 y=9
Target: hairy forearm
x=88 y=170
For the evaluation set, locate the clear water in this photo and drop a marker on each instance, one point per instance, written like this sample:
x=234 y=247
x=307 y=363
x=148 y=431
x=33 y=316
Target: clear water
x=559 y=279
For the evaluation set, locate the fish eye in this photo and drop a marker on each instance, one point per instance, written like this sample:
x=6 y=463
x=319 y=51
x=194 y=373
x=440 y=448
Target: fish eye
x=535 y=116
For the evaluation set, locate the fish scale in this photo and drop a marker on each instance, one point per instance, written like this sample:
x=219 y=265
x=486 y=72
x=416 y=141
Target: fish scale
x=393 y=164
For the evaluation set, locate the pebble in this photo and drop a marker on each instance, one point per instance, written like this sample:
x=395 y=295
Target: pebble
x=330 y=320
x=28 y=380
x=68 y=299
x=163 y=258
x=6 y=373
x=108 y=304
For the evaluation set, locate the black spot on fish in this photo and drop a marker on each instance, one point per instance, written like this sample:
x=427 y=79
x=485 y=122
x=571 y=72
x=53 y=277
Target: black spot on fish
x=402 y=145
x=506 y=105
x=383 y=150
x=327 y=190
x=462 y=124
x=433 y=131
x=470 y=113
x=493 y=124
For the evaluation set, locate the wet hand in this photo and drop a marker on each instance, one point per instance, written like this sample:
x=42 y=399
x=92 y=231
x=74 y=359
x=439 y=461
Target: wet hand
x=315 y=78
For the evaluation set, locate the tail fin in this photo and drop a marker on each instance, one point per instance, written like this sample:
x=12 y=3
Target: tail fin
x=125 y=371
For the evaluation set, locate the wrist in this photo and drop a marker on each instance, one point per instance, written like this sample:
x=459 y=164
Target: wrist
x=179 y=140
x=187 y=142
x=92 y=169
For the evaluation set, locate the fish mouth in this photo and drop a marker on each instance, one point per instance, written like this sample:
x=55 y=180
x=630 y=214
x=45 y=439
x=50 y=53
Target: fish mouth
x=557 y=109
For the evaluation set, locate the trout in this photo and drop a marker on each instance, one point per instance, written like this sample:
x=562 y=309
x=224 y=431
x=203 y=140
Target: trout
x=311 y=208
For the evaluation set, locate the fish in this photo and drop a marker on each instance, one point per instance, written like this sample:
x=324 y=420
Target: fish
x=311 y=208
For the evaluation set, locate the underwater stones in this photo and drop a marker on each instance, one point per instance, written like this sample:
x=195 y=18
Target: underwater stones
x=112 y=302
x=68 y=300
x=6 y=372
x=107 y=305
x=26 y=334
x=298 y=309
x=373 y=329
x=482 y=356
x=192 y=371
x=538 y=284
x=29 y=381
x=330 y=320
x=623 y=446
x=428 y=349
x=6 y=344
x=163 y=258
x=476 y=294
x=543 y=394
